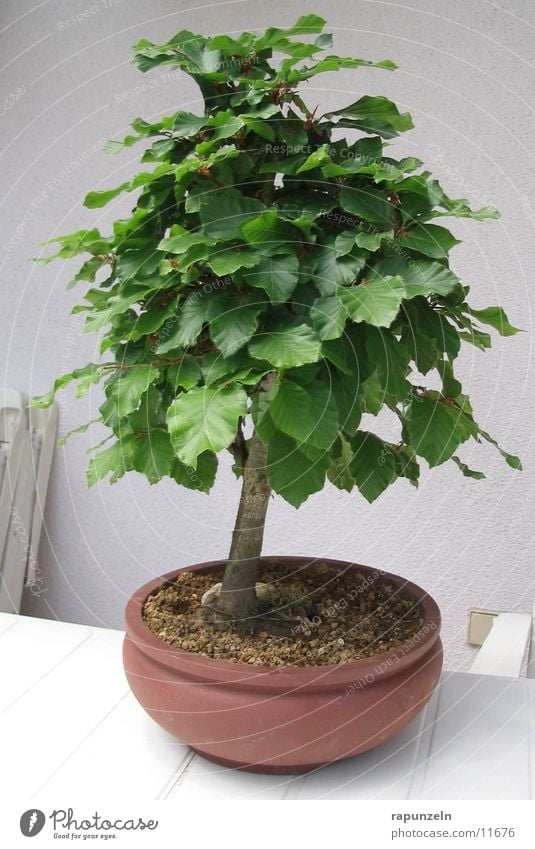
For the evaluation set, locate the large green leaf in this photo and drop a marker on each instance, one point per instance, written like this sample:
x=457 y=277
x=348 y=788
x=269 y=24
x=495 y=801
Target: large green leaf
x=495 y=317
x=322 y=428
x=188 y=323
x=436 y=427
x=115 y=461
x=230 y=260
x=375 y=303
x=124 y=394
x=335 y=265
x=233 y=320
x=372 y=465
x=292 y=473
x=270 y=234
x=204 y=419
x=293 y=345
x=391 y=360
x=420 y=277
x=428 y=334
x=154 y=456
x=329 y=317
x=202 y=478
x=277 y=276
x=370 y=204
x=307 y=413
x=429 y=239
x=225 y=211
x=186 y=373
x=182 y=242
x=290 y=408
x=374 y=115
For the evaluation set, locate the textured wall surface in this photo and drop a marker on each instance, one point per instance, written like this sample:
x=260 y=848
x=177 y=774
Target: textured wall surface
x=466 y=74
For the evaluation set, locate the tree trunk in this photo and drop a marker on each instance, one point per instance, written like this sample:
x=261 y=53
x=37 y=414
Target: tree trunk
x=238 y=594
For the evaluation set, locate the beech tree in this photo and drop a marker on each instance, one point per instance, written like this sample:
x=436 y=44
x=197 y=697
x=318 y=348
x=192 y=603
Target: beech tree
x=275 y=282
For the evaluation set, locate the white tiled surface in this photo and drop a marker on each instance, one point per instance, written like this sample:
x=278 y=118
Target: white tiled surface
x=68 y=723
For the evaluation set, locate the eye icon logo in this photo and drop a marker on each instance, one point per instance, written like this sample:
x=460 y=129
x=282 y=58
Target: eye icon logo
x=32 y=822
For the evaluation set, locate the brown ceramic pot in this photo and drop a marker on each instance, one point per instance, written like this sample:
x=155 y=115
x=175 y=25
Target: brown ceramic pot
x=282 y=720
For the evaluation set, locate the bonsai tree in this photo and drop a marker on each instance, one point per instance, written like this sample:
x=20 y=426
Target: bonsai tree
x=275 y=282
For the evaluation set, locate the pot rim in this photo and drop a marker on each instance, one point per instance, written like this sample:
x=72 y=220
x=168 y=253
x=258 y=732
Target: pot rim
x=379 y=666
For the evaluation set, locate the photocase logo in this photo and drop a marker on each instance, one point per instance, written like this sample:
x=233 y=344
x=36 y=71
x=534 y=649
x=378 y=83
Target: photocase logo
x=31 y=822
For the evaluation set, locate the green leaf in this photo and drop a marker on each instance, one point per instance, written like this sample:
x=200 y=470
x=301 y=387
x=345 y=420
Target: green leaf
x=429 y=239
x=186 y=373
x=335 y=266
x=290 y=346
x=511 y=459
x=88 y=374
x=406 y=465
x=451 y=388
x=290 y=408
x=336 y=63
x=233 y=321
x=436 y=429
x=186 y=125
x=339 y=472
x=373 y=396
x=428 y=334
x=420 y=277
x=375 y=303
x=467 y=472
x=204 y=419
x=292 y=473
x=190 y=320
x=495 y=317
x=269 y=234
x=224 y=124
x=236 y=369
x=329 y=317
x=182 y=242
x=391 y=359
x=372 y=241
x=154 y=456
x=73 y=244
x=306 y=413
x=374 y=115
x=223 y=213
x=202 y=478
x=277 y=276
x=322 y=428
x=372 y=466
x=95 y=200
x=230 y=260
x=81 y=429
x=316 y=159
x=124 y=394
x=370 y=204
x=115 y=460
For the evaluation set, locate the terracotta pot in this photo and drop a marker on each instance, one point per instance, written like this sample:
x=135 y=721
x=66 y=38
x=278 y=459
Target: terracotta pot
x=282 y=720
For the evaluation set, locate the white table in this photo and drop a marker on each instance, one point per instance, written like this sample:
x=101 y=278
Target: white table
x=69 y=725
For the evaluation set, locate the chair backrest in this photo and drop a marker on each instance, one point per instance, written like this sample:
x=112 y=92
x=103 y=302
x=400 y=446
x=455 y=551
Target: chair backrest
x=26 y=449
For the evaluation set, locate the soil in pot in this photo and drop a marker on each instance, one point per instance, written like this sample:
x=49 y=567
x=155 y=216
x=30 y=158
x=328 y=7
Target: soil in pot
x=335 y=616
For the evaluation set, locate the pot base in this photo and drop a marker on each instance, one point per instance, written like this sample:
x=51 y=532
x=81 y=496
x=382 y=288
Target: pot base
x=260 y=768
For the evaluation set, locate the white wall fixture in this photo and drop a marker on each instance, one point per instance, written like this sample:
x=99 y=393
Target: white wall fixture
x=506 y=649
x=26 y=448
x=479 y=625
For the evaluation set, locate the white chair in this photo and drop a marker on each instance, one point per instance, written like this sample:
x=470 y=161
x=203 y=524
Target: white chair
x=26 y=449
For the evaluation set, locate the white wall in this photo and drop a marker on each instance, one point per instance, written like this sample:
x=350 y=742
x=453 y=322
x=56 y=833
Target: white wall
x=466 y=74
